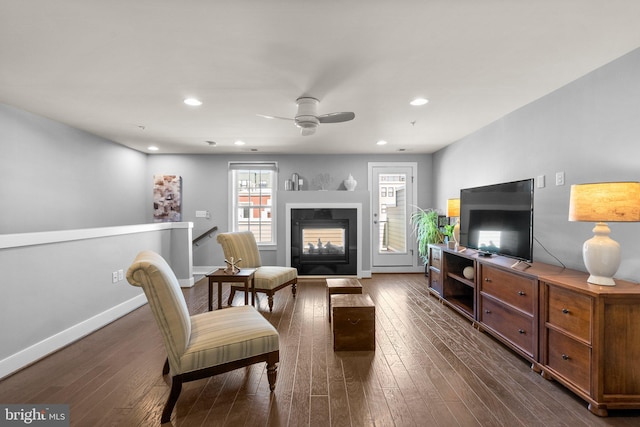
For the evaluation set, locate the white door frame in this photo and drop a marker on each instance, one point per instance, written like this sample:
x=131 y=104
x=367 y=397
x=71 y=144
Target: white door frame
x=417 y=266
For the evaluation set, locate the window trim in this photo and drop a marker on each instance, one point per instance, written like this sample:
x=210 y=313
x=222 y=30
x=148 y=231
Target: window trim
x=234 y=166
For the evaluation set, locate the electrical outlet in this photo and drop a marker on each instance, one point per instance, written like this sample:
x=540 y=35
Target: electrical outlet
x=120 y=275
x=559 y=178
x=114 y=277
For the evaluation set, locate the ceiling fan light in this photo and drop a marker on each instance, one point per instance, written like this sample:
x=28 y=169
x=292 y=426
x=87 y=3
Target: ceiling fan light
x=306 y=131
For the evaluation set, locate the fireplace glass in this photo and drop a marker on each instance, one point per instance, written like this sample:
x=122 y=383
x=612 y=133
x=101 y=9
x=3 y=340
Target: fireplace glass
x=324 y=241
x=320 y=241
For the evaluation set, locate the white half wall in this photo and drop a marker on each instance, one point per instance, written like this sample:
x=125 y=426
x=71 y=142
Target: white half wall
x=58 y=286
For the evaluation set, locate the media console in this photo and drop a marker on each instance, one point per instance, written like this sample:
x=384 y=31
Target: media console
x=586 y=337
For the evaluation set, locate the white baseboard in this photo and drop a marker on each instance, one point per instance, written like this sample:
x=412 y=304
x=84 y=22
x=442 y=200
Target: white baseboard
x=201 y=270
x=401 y=269
x=187 y=283
x=49 y=345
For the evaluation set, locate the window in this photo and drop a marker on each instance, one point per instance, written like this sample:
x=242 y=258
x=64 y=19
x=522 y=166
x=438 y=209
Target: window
x=253 y=198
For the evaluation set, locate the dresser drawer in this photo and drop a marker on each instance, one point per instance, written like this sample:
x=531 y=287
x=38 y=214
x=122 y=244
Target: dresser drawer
x=516 y=327
x=569 y=358
x=435 y=280
x=519 y=291
x=435 y=257
x=570 y=311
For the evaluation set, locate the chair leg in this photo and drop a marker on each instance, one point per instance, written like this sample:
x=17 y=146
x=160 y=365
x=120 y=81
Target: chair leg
x=232 y=293
x=270 y=300
x=293 y=289
x=272 y=373
x=176 y=388
x=165 y=368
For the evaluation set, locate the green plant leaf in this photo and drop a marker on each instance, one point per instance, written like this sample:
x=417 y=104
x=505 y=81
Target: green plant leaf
x=426 y=230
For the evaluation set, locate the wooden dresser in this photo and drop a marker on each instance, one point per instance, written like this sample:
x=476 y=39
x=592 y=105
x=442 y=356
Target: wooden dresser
x=586 y=337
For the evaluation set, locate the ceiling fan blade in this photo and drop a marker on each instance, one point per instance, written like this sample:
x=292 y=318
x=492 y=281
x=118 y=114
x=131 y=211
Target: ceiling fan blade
x=336 y=117
x=273 y=117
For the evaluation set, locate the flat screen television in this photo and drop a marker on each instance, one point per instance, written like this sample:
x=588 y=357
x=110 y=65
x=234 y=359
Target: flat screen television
x=498 y=219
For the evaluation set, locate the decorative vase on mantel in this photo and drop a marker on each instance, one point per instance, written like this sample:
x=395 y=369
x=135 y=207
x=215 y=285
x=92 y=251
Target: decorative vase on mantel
x=350 y=183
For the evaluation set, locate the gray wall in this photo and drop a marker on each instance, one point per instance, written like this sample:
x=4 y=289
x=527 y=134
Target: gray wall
x=55 y=177
x=205 y=187
x=590 y=129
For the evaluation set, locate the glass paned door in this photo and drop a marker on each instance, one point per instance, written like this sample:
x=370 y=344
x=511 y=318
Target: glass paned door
x=392 y=195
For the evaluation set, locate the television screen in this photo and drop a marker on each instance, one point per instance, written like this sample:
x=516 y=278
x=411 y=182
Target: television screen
x=498 y=219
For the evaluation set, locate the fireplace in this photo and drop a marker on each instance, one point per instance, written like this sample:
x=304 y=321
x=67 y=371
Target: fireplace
x=324 y=241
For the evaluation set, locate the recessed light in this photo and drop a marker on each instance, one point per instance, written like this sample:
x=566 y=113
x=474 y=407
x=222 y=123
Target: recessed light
x=238 y=142
x=381 y=142
x=193 y=102
x=152 y=148
x=418 y=101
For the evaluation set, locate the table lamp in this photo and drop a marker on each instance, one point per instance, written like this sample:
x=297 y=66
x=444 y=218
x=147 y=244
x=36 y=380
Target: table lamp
x=453 y=210
x=600 y=202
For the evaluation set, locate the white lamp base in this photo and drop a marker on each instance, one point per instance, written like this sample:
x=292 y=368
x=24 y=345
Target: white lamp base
x=601 y=256
x=456 y=232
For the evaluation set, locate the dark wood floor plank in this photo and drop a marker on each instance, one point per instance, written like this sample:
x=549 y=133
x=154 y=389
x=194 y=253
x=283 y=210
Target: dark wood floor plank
x=319 y=411
x=431 y=367
x=362 y=365
x=339 y=397
x=461 y=380
x=320 y=336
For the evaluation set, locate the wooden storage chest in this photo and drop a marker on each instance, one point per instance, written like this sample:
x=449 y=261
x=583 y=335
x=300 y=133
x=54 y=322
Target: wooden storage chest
x=353 y=320
x=341 y=286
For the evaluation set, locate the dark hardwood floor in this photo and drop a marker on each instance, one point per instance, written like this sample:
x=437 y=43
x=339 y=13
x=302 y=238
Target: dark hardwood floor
x=430 y=368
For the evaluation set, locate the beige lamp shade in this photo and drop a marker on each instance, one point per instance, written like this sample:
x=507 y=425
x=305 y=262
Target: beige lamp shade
x=601 y=203
x=453 y=207
x=453 y=210
x=605 y=202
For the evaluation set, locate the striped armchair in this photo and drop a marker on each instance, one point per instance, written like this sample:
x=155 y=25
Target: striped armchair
x=268 y=279
x=206 y=344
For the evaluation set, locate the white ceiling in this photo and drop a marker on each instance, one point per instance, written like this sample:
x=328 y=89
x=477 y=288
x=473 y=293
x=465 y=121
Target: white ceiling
x=121 y=68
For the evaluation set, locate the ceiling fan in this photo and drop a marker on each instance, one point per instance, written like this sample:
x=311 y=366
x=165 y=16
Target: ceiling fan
x=307 y=118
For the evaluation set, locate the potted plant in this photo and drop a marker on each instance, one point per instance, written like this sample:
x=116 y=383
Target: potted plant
x=426 y=229
x=447 y=231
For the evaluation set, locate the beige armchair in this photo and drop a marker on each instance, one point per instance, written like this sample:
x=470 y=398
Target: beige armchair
x=206 y=344
x=268 y=279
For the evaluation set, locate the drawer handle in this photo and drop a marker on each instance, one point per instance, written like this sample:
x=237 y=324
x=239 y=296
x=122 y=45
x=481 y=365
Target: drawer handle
x=521 y=331
x=354 y=322
x=488 y=311
x=521 y=293
x=565 y=310
x=565 y=357
x=486 y=279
